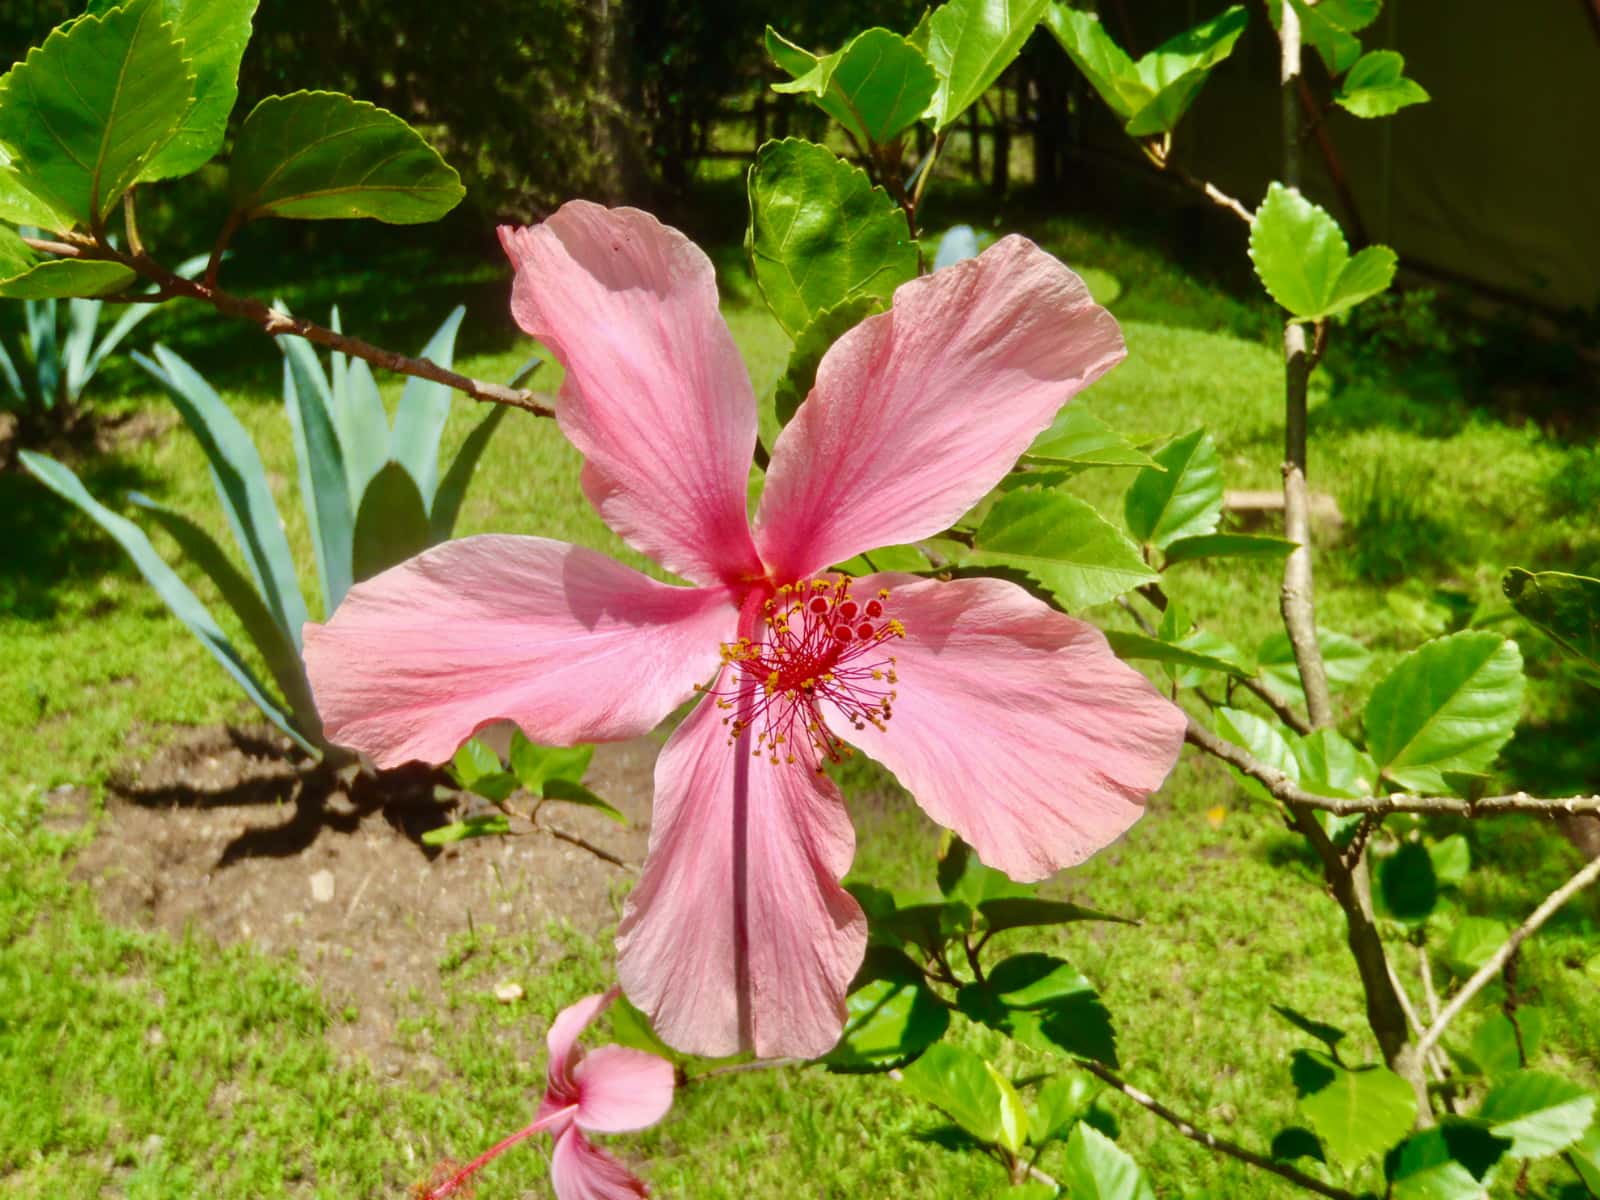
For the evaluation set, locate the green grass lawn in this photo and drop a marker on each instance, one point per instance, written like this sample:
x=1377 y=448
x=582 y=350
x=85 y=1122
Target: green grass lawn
x=142 y=1066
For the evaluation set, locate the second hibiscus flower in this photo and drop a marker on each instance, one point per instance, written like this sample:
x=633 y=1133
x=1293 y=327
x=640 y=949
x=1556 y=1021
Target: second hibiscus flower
x=1011 y=723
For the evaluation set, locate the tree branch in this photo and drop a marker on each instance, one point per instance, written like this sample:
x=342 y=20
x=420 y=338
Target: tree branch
x=1484 y=974
x=1210 y=1140
x=1285 y=789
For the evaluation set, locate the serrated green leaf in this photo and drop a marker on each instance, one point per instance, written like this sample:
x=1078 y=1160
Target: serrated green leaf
x=1356 y=1114
x=1437 y=1163
x=1265 y=742
x=1078 y=436
x=877 y=86
x=61 y=278
x=1227 y=545
x=390 y=526
x=213 y=34
x=1136 y=645
x=1181 y=500
x=1407 y=887
x=321 y=155
x=1452 y=859
x=1329 y=28
x=537 y=765
x=1496 y=1048
x=20 y=206
x=1565 y=608
x=630 y=1027
x=821 y=234
x=812 y=342
x=1301 y=257
x=1104 y=64
x=1044 y=1002
x=1343 y=658
x=1096 y=1168
x=1541 y=1113
x=964 y=878
x=1448 y=706
x=459 y=831
x=85 y=114
x=1296 y=1142
x=1376 y=86
x=891 y=1015
x=173 y=591
x=1063 y=543
x=1061 y=1102
x=473 y=760
x=1472 y=942
x=970 y=42
x=957 y=1082
x=1331 y=765
x=1013 y=1113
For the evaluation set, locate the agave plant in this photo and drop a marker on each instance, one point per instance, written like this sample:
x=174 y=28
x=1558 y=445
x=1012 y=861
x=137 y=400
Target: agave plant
x=45 y=365
x=373 y=495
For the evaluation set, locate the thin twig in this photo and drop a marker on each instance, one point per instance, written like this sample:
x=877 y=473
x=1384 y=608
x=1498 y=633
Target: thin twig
x=1285 y=789
x=1209 y=190
x=575 y=840
x=760 y=1064
x=1486 y=973
x=1210 y=1140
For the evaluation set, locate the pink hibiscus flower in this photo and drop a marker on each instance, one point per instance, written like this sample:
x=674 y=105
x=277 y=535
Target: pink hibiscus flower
x=1010 y=723
x=613 y=1090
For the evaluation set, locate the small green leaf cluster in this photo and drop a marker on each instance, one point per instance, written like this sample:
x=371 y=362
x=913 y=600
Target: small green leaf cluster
x=133 y=93
x=373 y=495
x=542 y=773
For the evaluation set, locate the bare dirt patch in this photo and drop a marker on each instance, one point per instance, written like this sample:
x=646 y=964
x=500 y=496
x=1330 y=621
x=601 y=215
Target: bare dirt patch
x=217 y=831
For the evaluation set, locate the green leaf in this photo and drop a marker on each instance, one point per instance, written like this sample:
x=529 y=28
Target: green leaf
x=1452 y=859
x=1079 y=437
x=965 y=879
x=1586 y=1158
x=1044 y=1002
x=487 y=825
x=60 y=278
x=1472 y=942
x=1356 y=1113
x=423 y=409
x=630 y=1027
x=1448 y=706
x=20 y=206
x=1149 y=96
x=1226 y=545
x=1181 y=500
x=1329 y=1035
x=821 y=234
x=1301 y=258
x=957 y=1082
x=1063 y=543
x=800 y=375
x=453 y=489
x=1377 y=87
x=1345 y=660
x=1265 y=742
x=1013 y=1113
x=970 y=42
x=85 y=114
x=1331 y=765
x=1565 y=608
x=214 y=34
x=473 y=760
x=241 y=485
x=1061 y=1102
x=324 y=484
x=321 y=155
x=877 y=86
x=891 y=1016
x=537 y=765
x=391 y=524
x=1329 y=28
x=1017 y=912
x=575 y=793
x=1096 y=1168
x=1541 y=1113
x=1407 y=885
x=1494 y=1049
x=1137 y=645
x=274 y=643
x=173 y=591
x=1437 y=1164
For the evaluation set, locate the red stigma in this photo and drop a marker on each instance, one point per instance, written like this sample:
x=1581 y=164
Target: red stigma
x=811 y=649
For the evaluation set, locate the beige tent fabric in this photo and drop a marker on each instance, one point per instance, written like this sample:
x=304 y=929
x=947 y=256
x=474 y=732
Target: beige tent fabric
x=1497 y=180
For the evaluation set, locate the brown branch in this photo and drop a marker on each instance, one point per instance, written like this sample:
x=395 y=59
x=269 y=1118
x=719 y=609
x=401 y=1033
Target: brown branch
x=1210 y=191
x=1486 y=973
x=1289 y=792
x=574 y=840
x=1210 y=1140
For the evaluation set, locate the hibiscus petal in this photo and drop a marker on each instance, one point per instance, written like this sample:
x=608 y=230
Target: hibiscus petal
x=656 y=395
x=561 y=1040
x=569 y=644
x=738 y=935
x=919 y=411
x=620 y=1089
x=580 y=1170
x=1015 y=725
